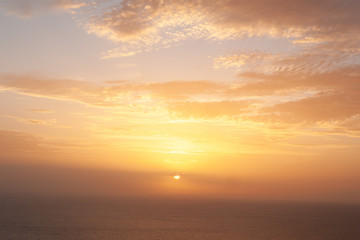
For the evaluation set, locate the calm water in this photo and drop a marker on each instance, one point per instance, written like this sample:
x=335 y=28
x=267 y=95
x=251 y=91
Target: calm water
x=170 y=219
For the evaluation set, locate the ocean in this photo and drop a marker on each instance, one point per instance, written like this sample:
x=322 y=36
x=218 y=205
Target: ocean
x=151 y=219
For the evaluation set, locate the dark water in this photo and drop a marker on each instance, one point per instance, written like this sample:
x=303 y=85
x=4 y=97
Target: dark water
x=176 y=219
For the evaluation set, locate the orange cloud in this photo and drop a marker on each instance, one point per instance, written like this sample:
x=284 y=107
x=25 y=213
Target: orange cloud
x=27 y=8
x=22 y=146
x=210 y=110
x=280 y=97
x=51 y=122
x=147 y=24
x=335 y=101
x=40 y=110
x=238 y=60
x=57 y=88
x=182 y=89
x=322 y=107
x=108 y=96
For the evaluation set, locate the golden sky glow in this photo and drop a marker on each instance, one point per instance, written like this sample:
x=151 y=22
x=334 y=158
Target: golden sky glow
x=246 y=99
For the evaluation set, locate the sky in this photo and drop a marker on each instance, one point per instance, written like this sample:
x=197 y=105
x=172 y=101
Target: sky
x=242 y=99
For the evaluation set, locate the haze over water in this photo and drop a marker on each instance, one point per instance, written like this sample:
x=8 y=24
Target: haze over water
x=83 y=219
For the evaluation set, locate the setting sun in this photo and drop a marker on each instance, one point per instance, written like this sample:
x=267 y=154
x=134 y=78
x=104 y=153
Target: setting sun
x=177 y=177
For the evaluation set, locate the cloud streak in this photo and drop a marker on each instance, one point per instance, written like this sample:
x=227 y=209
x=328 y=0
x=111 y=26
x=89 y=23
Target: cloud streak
x=28 y=8
x=144 y=25
x=281 y=97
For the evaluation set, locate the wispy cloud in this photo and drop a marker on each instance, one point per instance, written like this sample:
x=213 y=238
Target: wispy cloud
x=297 y=87
x=210 y=110
x=305 y=97
x=99 y=95
x=51 y=122
x=57 y=88
x=144 y=25
x=40 y=110
x=239 y=60
x=27 y=8
x=21 y=145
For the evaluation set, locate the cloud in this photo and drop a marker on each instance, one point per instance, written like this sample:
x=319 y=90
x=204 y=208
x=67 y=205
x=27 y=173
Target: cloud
x=51 y=122
x=27 y=8
x=282 y=82
x=335 y=101
x=21 y=146
x=108 y=96
x=134 y=18
x=210 y=110
x=322 y=107
x=351 y=124
x=144 y=25
x=238 y=60
x=316 y=59
x=40 y=110
x=66 y=89
x=70 y=4
x=282 y=96
x=182 y=89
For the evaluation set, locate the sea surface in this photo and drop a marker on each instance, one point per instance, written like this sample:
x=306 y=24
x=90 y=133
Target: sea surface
x=84 y=219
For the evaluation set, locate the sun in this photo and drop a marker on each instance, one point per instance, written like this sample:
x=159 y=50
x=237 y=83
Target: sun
x=177 y=177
